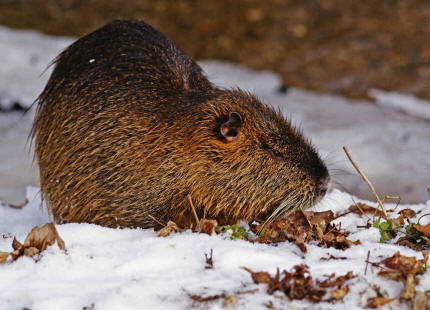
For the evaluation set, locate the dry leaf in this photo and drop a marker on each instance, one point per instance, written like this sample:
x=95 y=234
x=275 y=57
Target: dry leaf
x=304 y=226
x=406 y=265
x=3 y=257
x=376 y=302
x=339 y=281
x=405 y=269
x=261 y=277
x=340 y=292
x=43 y=237
x=229 y=301
x=361 y=208
x=171 y=227
x=425 y=230
x=408 y=213
x=206 y=226
x=297 y=284
x=419 y=301
x=18 y=249
x=397 y=223
x=407 y=243
x=38 y=239
x=409 y=291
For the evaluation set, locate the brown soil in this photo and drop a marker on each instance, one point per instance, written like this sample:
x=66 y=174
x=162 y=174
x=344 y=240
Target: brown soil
x=341 y=46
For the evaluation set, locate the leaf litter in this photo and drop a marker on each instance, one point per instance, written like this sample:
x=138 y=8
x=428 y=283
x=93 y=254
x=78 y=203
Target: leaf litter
x=37 y=241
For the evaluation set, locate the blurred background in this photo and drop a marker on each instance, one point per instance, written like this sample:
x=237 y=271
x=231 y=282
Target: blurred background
x=353 y=73
x=340 y=46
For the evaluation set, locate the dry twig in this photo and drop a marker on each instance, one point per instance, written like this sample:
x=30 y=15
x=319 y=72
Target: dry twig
x=367 y=182
x=194 y=210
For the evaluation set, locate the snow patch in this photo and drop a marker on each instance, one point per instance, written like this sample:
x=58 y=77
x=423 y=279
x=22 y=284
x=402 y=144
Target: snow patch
x=406 y=103
x=134 y=269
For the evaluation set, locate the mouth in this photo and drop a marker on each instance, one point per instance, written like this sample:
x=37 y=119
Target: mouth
x=293 y=201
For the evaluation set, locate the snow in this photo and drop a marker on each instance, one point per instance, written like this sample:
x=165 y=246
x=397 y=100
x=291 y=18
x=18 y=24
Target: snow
x=403 y=102
x=134 y=269
x=25 y=56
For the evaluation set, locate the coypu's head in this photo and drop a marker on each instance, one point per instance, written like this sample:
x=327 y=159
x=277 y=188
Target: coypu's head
x=254 y=163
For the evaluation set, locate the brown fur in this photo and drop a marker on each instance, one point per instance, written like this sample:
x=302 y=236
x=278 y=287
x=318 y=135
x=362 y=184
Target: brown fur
x=128 y=126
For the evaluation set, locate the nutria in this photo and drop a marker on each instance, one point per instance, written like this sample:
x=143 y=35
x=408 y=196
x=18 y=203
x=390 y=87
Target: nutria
x=128 y=126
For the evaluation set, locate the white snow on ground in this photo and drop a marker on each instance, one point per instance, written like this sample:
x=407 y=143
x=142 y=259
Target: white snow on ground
x=134 y=269
x=406 y=103
x=25 y=56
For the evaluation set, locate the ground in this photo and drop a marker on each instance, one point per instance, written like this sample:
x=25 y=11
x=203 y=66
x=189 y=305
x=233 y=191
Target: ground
x=134 y=269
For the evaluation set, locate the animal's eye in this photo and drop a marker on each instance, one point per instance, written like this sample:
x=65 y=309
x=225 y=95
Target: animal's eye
x=274 y=153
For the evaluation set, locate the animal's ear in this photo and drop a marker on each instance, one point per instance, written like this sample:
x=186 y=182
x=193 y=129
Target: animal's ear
x=231 y=128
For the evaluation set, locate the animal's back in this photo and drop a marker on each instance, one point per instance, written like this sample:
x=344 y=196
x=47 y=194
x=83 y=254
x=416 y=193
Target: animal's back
x=112 y=99
x=126 y=54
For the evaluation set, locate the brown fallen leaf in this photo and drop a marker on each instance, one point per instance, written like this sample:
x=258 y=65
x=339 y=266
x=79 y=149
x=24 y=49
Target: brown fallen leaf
x=320 y=219
x=425 y=230
x=397 y=223
x=171 y=227
x=229 y=301
x=300 y=227
x=406 y=265
x=260 y=277
x=339 y=293
x=298 y=284
x=417 y=239
x=206 y=226
x=44 y=236
x=404 y=241
x=409 y=291
x=38 y=239
x=376 y=302
x=202 y=225
x=407 y=213
x=333 y=281
x=18 y=249
x=404 y=269
x=362 y=208
x=208 y=298
x=3 y=257
x=420 y=301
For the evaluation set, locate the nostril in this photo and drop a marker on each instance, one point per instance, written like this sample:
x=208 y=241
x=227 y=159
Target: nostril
x=323 y=187
x=323 y=191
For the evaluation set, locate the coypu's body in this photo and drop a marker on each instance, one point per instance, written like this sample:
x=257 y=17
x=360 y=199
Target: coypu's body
x=128 y=126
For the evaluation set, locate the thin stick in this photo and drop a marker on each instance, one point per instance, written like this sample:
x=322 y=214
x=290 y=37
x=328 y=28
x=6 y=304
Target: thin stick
x=392 y=198
x=367 y=182
x=428 y=191
x=193 y=209
x=367 y=262
x=157 y=221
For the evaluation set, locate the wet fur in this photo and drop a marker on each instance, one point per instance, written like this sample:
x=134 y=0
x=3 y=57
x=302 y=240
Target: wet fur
x=128 y=126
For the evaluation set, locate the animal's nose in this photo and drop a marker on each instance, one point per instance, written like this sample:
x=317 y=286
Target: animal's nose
x=322 y=187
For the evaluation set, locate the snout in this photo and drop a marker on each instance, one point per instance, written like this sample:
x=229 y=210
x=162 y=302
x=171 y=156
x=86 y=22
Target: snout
x=322 y=187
